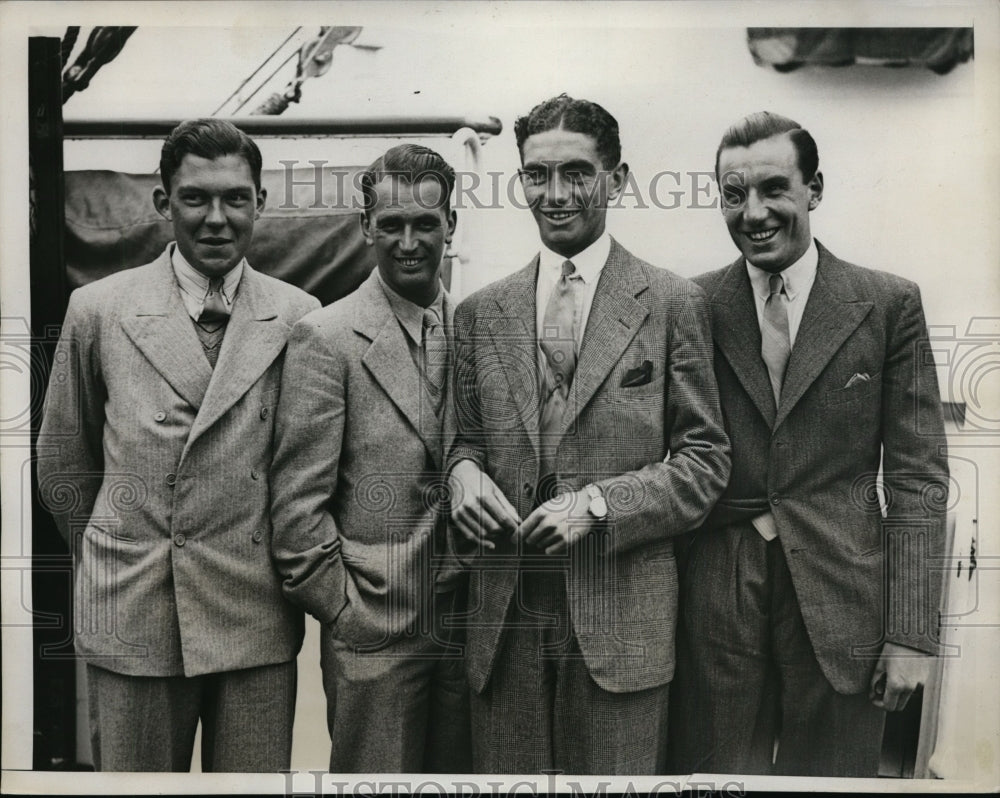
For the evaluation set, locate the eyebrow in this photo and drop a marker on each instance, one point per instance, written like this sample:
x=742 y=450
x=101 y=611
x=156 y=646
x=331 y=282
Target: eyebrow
x=575 y=165
x=775 y=182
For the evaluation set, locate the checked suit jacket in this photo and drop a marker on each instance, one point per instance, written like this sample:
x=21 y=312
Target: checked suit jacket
x=155 y=466
x=656 y=447
x=357 y=487
x=863 y=573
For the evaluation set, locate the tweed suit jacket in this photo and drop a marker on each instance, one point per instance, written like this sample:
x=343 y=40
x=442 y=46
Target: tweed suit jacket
x=155 y=467
x=657 y=449
x=357 y=487
x=861 y=579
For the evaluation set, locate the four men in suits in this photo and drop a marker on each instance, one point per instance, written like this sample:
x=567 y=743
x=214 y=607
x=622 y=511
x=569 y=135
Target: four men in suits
x=807 y=610
x=588 y=436
x=357 y=487
x=154 y=455
x=582 y=434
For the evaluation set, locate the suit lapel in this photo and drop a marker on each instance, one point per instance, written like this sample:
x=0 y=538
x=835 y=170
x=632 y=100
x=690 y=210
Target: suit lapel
x=254 y=337
x=737 y=334
x=615 y=318
x=448 y=429
x=515 y=345
x=162 y=330
x=832 y=313
x=389 y=362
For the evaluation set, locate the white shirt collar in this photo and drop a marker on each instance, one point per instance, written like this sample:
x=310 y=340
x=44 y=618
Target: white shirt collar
x=589 y=262
x=798 y=277
x=409 y=314
x=194 y=284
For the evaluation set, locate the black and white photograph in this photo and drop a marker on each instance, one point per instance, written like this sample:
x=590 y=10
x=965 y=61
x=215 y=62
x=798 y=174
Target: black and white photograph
x=499 y=397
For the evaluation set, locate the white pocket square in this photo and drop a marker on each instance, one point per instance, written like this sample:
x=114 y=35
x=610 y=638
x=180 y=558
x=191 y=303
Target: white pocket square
x=860 y=377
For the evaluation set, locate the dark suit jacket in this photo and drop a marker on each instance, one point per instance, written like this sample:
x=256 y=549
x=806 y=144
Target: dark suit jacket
x=860 y=579
x=155 y=467
x=656 y=449
x=357 y=485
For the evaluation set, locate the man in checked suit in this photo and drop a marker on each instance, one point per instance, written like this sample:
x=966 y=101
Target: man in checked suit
x=154 y=453
x=358 y=490
x=589 y=435
x=807 y=611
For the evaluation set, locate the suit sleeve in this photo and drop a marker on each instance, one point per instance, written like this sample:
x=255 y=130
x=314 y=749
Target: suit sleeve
x=667 y=498
x=70 y=443
x=309 y=430
x=915 y=477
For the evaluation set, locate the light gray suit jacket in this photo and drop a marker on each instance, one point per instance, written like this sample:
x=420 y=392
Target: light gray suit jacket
x=357 y=488
x=860 y=579
x=156 y=469
x=657 y=450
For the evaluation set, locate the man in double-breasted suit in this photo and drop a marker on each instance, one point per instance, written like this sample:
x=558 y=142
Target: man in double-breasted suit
x=358 y=490
x=154 y=455
x=589 y=435
x=809 y=608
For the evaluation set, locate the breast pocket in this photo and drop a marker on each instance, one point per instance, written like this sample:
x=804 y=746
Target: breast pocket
x=863 y=389
x=639 y=397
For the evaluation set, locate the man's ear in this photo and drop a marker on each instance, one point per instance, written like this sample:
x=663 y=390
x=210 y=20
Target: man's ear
x=815 y=190
x=616 y=180
x=161 y=201
x=452 y=222
x=261 y=200
x=366 y=229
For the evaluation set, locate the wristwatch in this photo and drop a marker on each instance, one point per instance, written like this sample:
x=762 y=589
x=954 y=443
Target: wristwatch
x=597 y=507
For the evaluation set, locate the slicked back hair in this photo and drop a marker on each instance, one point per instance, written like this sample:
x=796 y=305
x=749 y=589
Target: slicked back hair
x=207 y=138
x=409 y=162
x=578 y=116
x=764 y=124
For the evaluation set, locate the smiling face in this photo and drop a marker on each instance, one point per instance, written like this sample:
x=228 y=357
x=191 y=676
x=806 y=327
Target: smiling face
x=212 y=204
x=409 y=225
x=766 y=203
x=568 y=188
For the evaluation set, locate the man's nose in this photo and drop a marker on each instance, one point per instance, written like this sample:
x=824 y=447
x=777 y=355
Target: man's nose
x=407 y=241
x=754 y=209
x=557 y=189
x=215 y=217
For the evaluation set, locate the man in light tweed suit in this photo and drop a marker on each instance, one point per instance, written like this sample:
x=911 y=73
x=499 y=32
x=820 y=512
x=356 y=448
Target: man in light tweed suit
x=807 y=612
x=589 y=435
x=357 y=485
x=154 y=455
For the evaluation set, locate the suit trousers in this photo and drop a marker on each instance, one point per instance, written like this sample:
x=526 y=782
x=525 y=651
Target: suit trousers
x=747 y=678
x=403 y=708
x=148 y=723
x=542 y=711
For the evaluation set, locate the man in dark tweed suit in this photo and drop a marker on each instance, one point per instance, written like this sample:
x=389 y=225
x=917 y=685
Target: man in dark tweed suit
x=588 y=436
x=158 y=423
x=808 y=608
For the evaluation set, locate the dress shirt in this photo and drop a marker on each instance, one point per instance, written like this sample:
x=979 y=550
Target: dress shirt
x=410 y=316
x=589 y=265
x=194 y=284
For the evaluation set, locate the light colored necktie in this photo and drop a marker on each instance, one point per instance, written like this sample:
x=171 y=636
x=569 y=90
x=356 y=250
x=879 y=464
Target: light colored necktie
x=214 y=310
x=558 y=346
x=775 y=341
x=435 y=349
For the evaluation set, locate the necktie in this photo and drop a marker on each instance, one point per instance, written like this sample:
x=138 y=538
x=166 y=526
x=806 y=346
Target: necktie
x=558 y=346
x=214 y=310
x=435 y=346
x=775 y=342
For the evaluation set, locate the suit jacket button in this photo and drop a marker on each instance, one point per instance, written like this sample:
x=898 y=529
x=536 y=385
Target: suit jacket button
x=171 y=479
x=159 y=416
x=775 y=498
x=254 y=474
x=179 y=540
x=526 y=488
x=264 y=413
x=256 y=537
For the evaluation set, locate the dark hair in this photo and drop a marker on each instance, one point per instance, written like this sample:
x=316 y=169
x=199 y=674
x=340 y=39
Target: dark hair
x=764 y=124
x=207 y=138
x=409 y=162
x=578 y=116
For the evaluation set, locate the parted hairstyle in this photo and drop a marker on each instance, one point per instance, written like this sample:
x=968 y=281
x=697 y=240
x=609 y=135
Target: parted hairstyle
x=578 y=116
x=409 y=162
x=207 y=138
x=764 y=124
